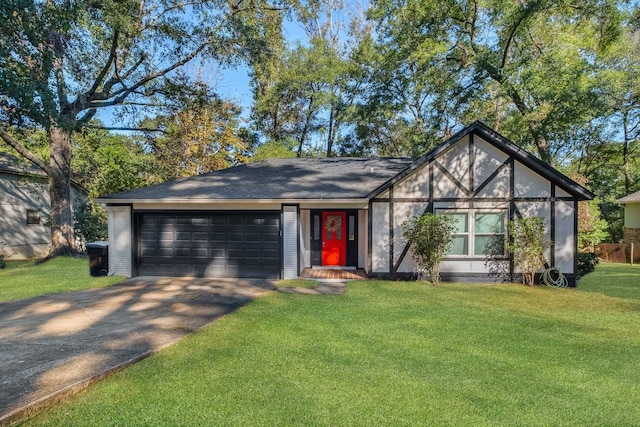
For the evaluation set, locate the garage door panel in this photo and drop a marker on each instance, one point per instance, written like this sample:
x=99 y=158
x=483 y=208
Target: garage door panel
x=166 y=220
x=200 y=236
x=271 y=237
x=183 y=236
x=214 y=244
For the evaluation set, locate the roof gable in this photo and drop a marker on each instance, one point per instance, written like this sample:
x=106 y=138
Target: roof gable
x=631 y=198
x=504 y=145
x=13 y=165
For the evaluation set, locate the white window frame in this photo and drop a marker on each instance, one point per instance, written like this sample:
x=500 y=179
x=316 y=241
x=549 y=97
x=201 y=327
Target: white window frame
x=471 y=225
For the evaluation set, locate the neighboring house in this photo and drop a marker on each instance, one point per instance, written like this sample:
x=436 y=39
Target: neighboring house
x=631 y=231
x=24 y=209
x=277 y=217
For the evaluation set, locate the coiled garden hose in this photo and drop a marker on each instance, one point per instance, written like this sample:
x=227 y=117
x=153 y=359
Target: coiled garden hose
x=559 y=282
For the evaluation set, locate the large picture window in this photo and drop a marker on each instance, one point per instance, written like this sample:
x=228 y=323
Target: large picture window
x=478 y=232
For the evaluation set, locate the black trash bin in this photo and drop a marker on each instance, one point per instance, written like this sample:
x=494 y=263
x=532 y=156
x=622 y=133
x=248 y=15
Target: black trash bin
x=98 y=258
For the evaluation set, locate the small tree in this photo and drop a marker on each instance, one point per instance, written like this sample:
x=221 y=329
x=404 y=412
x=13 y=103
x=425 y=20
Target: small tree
x=591 y=228
x=430 y=238
x=527 y=244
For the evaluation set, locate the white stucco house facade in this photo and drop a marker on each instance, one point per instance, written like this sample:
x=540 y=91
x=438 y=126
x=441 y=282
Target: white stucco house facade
x=277 y=217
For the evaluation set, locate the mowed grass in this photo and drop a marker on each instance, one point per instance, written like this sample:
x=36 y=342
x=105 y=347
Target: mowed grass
x=394 y=353
x=24 y=279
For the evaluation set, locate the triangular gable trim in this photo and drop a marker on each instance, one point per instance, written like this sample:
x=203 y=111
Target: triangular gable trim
x=503 y=144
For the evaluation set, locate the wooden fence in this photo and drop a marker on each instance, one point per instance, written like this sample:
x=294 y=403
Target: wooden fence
x=618 y=252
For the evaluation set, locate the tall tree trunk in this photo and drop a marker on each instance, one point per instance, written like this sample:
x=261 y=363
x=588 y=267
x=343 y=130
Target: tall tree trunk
x=542 y=145
x=307 y=125
x=625 y=153
x=331 y=132
x=63 y=240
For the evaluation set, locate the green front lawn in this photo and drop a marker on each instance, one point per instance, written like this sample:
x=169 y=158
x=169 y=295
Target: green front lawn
x=24 y=279
x=395 y=353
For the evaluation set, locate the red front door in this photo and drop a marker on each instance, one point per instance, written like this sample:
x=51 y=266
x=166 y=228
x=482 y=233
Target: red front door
x=334 y=241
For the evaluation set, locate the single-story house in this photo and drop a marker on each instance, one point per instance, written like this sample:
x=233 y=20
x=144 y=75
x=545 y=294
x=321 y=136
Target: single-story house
x=25 y=206
x=631 y=231
x=277 y=217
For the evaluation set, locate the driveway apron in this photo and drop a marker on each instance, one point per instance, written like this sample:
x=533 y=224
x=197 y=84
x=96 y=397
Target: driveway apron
x=55 y=345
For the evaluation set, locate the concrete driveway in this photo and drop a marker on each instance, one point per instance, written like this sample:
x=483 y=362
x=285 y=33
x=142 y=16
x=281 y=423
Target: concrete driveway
x=55 y=345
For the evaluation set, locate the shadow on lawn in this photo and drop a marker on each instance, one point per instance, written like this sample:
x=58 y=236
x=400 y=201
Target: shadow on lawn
x=63 y=342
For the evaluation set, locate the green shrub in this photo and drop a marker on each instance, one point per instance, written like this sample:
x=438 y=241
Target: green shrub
x=90 y=222
x=430 y=238
x=586 y=263
x=526 y=243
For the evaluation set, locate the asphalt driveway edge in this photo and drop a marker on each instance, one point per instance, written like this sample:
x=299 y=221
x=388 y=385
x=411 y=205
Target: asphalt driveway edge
x=32 y=409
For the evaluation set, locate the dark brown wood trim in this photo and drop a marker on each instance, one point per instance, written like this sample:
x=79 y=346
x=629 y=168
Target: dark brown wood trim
x=552 y=226
x=370 y=237
x=391 y=230
x=452 y=178
x=472 y=161
x=491 y=177
x=405 y=250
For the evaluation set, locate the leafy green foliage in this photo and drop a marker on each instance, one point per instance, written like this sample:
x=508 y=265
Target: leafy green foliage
x=198 y=139
x=107 y=163
x=273 y=150
x=90 y=221
x=429 y=237
x=525 y=68
x=526 y=243
x=308 y=92
x=591 y=228
x=586 y=263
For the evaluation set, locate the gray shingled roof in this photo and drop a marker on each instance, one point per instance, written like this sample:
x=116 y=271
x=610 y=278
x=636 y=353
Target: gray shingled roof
x=631 y=198
x=11 y=164
x=299 y=178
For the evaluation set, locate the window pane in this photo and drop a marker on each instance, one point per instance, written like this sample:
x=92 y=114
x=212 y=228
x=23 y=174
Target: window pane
x=459 y=246
x=352 y=227
x=316 y=227
x=33 y=216
x=490 y=223
x=489 y=245
x=460 y=220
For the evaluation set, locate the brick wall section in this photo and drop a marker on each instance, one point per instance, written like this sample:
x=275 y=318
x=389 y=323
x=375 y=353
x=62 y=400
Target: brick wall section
x=631 y=235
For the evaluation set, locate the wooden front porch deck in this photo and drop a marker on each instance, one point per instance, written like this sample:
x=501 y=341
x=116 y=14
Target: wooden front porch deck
x=325 y=273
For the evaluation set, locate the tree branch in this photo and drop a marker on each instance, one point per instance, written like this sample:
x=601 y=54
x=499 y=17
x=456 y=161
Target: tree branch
x=24 y=152
x=88 y=115
x=121 y=94
x=132 y=129
x=112 y=55
x=176 y=6
x=525 y=14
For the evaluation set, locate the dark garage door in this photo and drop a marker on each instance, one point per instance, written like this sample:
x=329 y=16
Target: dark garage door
x=208 y=244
